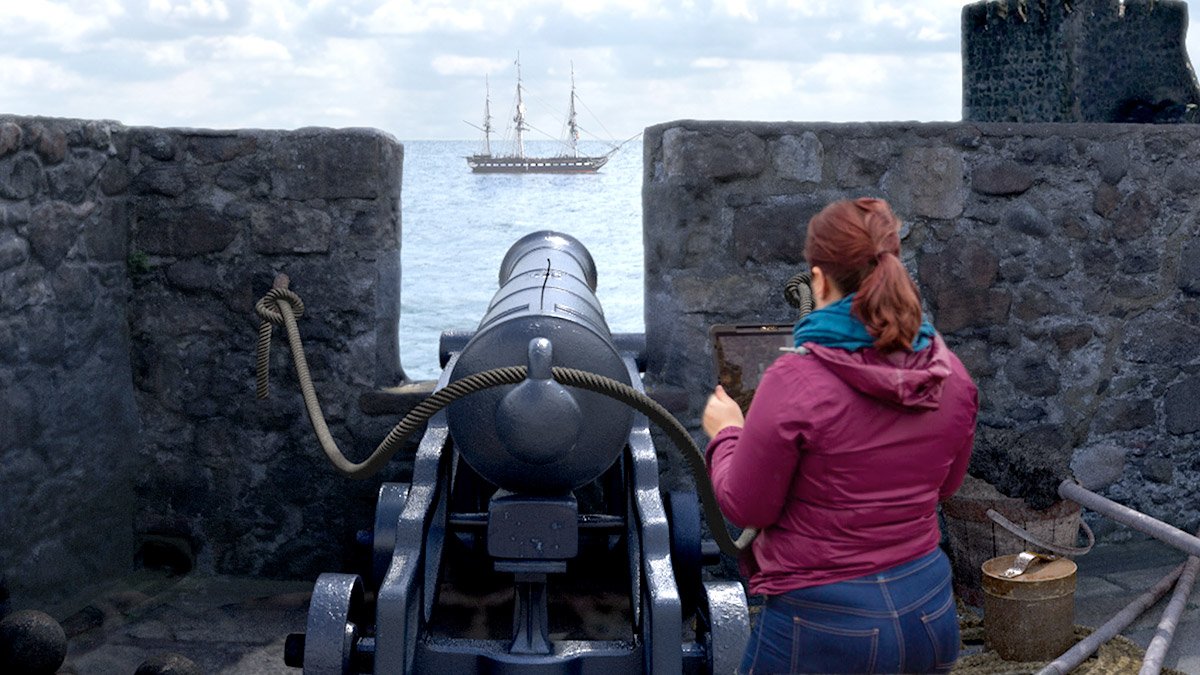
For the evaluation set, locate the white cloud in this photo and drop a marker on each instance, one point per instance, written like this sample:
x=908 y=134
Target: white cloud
x=186 y=10
x=242 y=48
x=451 y=64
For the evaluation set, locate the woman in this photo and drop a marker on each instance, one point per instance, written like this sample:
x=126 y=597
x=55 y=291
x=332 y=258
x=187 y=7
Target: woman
x=847 y=448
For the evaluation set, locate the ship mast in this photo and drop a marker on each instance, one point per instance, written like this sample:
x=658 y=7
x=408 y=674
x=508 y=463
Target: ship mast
x=572 y=127
x=520 y=116
x=487 y=117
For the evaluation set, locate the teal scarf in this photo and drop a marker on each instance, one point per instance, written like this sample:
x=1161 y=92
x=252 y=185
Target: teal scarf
x=834 y=326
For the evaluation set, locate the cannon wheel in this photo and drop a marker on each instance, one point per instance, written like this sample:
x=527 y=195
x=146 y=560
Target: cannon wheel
x=728 y=625
x=683 y=513
x=332 y=628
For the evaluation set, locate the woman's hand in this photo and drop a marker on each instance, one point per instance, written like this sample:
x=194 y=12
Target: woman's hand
x=721 y=411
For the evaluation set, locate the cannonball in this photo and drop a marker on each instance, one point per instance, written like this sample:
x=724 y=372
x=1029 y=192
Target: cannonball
x=31 y=643
x=168 y=664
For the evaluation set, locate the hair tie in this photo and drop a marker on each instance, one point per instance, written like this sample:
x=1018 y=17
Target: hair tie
x=879 y=256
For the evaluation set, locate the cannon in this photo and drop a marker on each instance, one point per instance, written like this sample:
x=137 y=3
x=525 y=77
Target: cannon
x=533 y=537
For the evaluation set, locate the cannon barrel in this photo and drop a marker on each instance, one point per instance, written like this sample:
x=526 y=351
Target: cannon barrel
x=540 y=437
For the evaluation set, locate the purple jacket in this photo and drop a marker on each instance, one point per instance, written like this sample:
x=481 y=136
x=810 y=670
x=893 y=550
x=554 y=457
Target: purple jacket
x=843 y=460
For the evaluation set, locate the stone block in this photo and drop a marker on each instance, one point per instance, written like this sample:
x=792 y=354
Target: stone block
x=290 y=227
x=1098 y=466
x=14 y=214
x=1072 y=337
x=800 y=158
x=194 y=275
x=1125 y=414
x=691 y=156
x=862 y=162
x=1159 y=470
x=927 y=183
x=1111 y=160
x=1135 y=217
x=168 y=180
x=773 y=232
x=1023 y=217
x=1189 y=268
x=1106 y=200
x=115 y=177
x=1001 y=178
x=159 y=144
x=333 y=164
x=54 y=228
x=179 y=230
x=1182 y=407
x=1033 y=375
x=10 y=138
x=213 y=149
x=1160 y=339
x=21 y=177
x=50 y=142
x=14 y=250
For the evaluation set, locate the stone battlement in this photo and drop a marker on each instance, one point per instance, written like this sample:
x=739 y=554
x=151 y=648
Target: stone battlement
x=1077 y=61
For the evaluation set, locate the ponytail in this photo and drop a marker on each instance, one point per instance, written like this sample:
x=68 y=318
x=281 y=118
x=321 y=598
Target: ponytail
x=857 y=244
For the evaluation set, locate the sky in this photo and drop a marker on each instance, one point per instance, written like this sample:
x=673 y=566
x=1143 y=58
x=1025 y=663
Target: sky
x=416 y=68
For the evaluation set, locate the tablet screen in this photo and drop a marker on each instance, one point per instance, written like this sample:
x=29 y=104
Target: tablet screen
x=743 y=352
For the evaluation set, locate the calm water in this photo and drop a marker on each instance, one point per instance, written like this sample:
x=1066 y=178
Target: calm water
x=457 y=226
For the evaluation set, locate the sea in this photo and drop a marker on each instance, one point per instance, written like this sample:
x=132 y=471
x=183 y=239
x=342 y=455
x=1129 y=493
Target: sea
x=457 y=225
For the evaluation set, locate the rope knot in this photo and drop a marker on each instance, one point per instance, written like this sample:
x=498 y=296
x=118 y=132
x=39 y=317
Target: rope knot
x=267 y=308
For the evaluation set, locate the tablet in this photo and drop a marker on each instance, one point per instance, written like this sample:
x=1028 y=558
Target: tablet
x=743 y=351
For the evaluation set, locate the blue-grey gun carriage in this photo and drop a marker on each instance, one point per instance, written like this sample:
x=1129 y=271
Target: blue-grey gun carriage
x=534 y=537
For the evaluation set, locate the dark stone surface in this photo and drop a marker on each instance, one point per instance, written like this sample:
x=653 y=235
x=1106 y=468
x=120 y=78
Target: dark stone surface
x=1067 y=280
x=180 y=229
x=14 y=250
x=127 y=283
x=1001 y=178
x=1189 y=268
x=1049 y=63
x=31 y=643
x=1182 y=407
x=168 y=664
x=714 y=156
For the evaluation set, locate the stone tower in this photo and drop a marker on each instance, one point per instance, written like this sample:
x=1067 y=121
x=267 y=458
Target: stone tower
x=1077 y=61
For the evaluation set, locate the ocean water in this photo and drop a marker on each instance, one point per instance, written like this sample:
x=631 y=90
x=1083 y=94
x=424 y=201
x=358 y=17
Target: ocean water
x=457 y=225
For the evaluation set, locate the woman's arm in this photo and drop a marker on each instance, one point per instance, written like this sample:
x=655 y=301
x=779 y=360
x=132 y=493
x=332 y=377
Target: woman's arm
x=751 y=466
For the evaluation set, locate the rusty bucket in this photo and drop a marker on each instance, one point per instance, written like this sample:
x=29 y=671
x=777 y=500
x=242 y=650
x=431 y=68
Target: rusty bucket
x=973 y=538
x=1031 y=616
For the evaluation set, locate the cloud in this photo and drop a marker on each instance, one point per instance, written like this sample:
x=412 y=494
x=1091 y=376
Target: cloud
x=416 y=67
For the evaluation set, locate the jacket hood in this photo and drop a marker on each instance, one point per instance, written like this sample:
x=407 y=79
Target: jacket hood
x=908 y=379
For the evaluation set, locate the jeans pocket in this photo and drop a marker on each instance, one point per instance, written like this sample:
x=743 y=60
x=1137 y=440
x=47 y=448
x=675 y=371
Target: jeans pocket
x=941 y=625
x=818 y=648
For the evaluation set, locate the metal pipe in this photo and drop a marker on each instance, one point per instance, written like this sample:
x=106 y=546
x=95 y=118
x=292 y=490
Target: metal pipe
x=1087 y=646
x=1141 y=522
x=1156 y=652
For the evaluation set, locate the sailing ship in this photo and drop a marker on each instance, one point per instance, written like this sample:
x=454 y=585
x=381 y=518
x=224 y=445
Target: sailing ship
x=518 y=162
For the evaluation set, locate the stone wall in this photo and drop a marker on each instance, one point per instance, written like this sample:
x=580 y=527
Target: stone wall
x=68 y=421
x=130 y=260
x=1060 y=261
x=1077 y=61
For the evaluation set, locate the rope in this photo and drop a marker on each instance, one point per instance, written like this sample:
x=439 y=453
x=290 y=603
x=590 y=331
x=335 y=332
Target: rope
x=1032 y=539
x=798 y=293
x=275 y=308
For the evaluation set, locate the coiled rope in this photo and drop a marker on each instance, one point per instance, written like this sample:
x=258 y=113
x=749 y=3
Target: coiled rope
x=280 y=307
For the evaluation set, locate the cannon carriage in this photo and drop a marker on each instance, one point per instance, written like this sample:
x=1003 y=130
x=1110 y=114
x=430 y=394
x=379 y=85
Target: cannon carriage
x=533 y=537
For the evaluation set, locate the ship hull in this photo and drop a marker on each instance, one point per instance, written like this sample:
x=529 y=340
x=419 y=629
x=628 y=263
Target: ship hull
x=490 y=164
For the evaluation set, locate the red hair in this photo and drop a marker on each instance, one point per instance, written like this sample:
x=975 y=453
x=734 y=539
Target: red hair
x=856 y=243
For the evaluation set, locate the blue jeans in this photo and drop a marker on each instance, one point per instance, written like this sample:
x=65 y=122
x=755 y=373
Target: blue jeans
x=901 y=620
